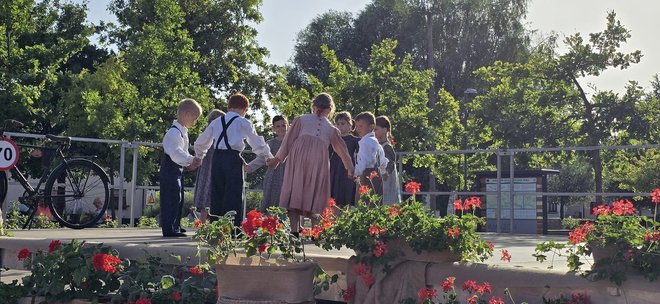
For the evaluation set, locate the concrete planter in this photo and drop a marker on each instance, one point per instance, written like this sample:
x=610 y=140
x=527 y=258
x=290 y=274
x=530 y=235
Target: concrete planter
x=409 y=254
x=248 y=280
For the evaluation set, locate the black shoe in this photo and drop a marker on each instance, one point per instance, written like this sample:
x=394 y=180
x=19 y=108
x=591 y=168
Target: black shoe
x=174 y=234
x=182 y=230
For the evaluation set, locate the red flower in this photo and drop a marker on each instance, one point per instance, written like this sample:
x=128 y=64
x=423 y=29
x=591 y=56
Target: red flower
x=53 y=245
x=332 y=202
x=368 y=279
x=655 y=196
x=394 y=211
x=373 y=175
x=655 y=236
x=413 y=187
x=381 y=249
x=426 y=293
x=472 y=202
x=493 y=300
x=505 y=255
x=143 y=301
x=252 y=222
x=458 y=205
x=448 y=284
x=176 y=295
x=364 y=189
x=577 y=235
x=453 y=232
x=349 y=293
x=602 y=209
x=23 y=254
x=270 y=223
x=263 y=247
x=623 y=207
x=364 y=272
x=375 y=230
x=490 y=245
x=580 y=298
x=196 y=270
x=197 y=223
x=484 y=288
x=470 y=285
x=472 y=299
x=105 y=262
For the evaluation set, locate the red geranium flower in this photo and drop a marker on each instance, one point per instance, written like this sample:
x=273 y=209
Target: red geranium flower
x=472 y=202
x=453 y=232
x=448 y=284
x=484 y=288
x=375 y=230
x=426 y=293
x=176 y=295
x=143 y=301
x=53 y=245
x=105 y=262
x=373 y=175
x=394 y=211
x=197 y=223
x=602 y=209
x=413 y=187
x=196 y=270
x=381 y=249
x=332 y=202
x=505 y=255
x=349 y=293
x=270 y=223
x=623 y=207
x=470 y=285
x=364 y=189
x=472 y=299
x=655 y=196
x=263 y=247
x=494 y=300
x=23 y=254
x=490 y=245
x=458 y=205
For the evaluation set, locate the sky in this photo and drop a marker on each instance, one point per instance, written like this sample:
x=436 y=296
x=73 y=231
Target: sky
x=283 y=19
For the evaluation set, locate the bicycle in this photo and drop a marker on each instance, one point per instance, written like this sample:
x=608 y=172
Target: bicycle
x=76 y=190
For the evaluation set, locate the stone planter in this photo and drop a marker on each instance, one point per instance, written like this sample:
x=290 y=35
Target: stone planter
x=248 y=280
x=38 y=300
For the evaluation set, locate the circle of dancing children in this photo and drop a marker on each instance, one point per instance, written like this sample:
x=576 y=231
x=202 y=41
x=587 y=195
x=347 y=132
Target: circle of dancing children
x=306 y=184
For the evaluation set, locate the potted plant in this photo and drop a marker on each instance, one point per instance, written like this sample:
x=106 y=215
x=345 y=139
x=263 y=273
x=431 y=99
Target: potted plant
x=619 y=240
x=384 y=237
x=271 y=265
x=69 y=273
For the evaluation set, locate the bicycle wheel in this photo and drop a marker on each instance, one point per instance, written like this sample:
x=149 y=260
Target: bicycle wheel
x=77 y=193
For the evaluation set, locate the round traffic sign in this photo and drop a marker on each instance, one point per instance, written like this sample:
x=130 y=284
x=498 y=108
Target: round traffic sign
x=8 y=154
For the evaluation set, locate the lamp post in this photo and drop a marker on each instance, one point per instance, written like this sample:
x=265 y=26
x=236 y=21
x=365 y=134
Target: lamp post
x=468 y=95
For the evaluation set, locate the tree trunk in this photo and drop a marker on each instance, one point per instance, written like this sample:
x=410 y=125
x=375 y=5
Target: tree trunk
x=598 y=174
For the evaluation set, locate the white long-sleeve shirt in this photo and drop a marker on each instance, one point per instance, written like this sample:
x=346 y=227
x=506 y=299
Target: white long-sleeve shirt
x=175 y=144
x=240 y=129
x=369 y=153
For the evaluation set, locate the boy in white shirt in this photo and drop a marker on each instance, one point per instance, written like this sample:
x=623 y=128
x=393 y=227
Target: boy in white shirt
x=229 y=133
x=370 y=159
x=175 y=158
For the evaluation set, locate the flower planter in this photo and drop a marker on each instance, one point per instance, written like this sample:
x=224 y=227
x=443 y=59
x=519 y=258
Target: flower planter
x=598 y=252
x=256 y=280
x=38 y=300
x=444 y=256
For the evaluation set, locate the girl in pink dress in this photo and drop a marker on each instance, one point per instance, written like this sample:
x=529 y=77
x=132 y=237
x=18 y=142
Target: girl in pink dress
x=306 y=184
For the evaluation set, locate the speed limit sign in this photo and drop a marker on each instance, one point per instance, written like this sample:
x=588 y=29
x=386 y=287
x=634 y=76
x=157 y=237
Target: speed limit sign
x=8 y=154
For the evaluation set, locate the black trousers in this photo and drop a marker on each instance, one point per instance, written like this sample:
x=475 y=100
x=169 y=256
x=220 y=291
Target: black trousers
x=171 y=195
x=227 y=184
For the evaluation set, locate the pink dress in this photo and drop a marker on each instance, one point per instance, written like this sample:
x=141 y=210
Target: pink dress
x=306 y=185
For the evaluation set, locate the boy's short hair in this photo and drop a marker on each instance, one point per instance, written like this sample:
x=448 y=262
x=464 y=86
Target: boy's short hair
x=384 y=122
x=189 y=106
x=367 y=117
x=238 y=101
x=344 y=115
x=215 y=113
x=277 y=118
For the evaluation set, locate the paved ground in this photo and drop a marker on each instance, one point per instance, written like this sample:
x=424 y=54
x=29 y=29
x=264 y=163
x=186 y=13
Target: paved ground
x=520 y=247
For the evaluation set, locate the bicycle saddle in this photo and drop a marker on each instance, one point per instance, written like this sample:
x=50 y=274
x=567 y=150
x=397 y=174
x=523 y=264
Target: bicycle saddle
x=63 y=139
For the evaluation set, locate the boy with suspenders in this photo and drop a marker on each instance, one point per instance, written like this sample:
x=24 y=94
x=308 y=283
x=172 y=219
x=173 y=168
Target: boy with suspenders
x=229 y=133
x=175 y=158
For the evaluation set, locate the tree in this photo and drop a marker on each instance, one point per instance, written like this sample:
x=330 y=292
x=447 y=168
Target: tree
x=40 y=47
x=548 y=89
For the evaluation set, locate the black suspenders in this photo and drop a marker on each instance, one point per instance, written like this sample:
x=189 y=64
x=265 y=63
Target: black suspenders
x=223 y=134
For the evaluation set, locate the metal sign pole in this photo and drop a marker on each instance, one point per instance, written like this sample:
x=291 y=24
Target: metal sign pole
x=498 y=211
x=511 y=195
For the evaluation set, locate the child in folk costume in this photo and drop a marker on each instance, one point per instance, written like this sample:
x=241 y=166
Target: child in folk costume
x=175 y=158
x=371 y=160
x=391 y=185
x=203 y=184
x=272 y=184
x=306 y=186
x=227 y=135
x=342 y=187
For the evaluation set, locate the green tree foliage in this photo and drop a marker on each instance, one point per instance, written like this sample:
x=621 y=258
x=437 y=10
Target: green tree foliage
x=41 y=47
x=467 y=35
x=543 y=101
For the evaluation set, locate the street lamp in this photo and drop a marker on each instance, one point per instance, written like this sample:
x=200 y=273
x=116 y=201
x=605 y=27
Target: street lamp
x=468 y=95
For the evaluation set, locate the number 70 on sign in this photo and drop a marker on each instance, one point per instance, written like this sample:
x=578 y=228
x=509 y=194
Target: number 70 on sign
x=8 y=154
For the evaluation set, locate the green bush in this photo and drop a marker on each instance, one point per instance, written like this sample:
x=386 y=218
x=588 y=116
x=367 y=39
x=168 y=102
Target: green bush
x=147 y=222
